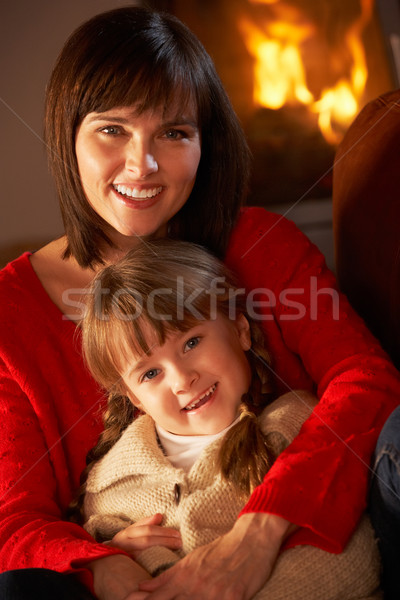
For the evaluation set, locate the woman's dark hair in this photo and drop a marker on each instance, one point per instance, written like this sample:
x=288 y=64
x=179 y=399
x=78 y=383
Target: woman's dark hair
x=136 y=56
x=149 y=289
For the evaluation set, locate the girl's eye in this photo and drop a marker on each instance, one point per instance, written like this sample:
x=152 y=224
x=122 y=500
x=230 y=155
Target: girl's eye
x=192 y=343
x=150 y=374
x=110 y=130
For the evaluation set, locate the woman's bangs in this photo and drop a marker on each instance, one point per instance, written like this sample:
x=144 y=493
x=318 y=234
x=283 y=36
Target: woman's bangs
x=160 y=88
x=147 y=87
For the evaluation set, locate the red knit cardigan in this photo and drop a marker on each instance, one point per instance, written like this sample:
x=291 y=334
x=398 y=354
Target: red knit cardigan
x=51 y=408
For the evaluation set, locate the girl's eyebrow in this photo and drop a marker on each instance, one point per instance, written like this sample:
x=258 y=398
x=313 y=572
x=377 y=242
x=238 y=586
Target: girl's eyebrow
x=141 y=363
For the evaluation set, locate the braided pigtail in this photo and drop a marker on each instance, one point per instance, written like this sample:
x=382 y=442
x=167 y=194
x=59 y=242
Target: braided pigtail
x=119 y=414
x=245 y=457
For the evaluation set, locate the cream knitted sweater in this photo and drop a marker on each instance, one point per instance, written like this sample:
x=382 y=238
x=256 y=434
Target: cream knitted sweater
x=136 y=480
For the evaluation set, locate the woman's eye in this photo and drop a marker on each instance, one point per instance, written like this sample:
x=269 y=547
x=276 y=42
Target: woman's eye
x=192 y=343
x=150 y=374
x=175 y=134
x=110 y=130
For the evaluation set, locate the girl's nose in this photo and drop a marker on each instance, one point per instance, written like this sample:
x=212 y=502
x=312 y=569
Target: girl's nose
x=183 y=379
x=140 y=159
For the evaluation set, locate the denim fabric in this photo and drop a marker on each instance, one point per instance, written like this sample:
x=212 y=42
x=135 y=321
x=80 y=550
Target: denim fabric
x=41 y=584
x=385 y=503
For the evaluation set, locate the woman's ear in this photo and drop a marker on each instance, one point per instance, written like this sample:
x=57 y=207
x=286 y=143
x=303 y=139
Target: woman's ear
x=243 y=328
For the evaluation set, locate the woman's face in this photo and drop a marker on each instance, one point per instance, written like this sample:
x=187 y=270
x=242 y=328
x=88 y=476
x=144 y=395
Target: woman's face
x=137 y=171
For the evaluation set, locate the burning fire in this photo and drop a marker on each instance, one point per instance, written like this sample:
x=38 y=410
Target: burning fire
x=279 y=72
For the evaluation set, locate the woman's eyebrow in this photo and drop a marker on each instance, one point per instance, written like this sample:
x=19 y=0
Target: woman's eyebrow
x=178 y=120
x=107 y=117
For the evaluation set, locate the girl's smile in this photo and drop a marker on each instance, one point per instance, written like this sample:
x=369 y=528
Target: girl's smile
x=193 y=384
x=138 y=170
x=204 y=398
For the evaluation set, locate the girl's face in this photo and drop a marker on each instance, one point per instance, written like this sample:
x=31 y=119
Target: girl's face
x=137 y=171
x=193 y=384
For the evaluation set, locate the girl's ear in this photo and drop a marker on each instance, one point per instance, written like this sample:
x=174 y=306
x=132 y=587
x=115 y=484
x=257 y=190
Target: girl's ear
x=243 y=328
x=134 y=400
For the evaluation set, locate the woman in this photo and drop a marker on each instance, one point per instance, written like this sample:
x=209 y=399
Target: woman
x=143 y=143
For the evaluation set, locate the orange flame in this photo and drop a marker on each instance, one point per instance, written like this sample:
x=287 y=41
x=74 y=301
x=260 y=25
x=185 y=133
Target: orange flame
x=279 y=72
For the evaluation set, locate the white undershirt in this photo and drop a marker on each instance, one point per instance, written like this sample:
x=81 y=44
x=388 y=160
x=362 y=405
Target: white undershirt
x=183 y=450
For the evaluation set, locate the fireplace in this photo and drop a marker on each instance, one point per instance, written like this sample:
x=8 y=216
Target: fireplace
x=297 y=72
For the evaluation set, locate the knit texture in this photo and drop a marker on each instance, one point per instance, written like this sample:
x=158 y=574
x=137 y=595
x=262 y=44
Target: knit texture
x=308 y=573
x=135 y=480
x=51 y=408
x=314 y=335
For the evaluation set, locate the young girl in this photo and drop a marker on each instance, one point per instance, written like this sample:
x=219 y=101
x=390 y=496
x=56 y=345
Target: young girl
x=191 y=428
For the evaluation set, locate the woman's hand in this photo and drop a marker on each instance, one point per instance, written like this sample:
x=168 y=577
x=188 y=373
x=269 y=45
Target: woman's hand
x=117 y=578
x=234 y=567
x=146 y=533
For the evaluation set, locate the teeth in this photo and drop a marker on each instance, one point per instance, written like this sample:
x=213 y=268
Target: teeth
x=137 y=193
x=208 y=393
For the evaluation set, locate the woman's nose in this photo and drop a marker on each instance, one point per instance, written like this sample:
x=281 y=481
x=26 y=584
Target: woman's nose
x=140 y=159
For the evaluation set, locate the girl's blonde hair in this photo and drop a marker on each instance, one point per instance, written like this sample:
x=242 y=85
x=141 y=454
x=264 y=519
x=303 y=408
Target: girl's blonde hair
x=170 y=285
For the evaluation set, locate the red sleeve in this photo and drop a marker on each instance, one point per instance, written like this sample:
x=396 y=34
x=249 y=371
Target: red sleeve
x=49 y=409
x=320 y=481
x=32 y=531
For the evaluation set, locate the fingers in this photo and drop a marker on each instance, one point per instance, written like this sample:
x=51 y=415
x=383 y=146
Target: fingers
x=134 y=547
x=157 y=582
x=137 y=596
x=226 y=569
x=177 y=589
x=146 y=533
x=154 y=538
x=155 y=519
x=149 y=535
x=172 y=585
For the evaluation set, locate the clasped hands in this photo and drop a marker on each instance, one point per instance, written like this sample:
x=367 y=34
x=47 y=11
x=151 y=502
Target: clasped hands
x=232 y=567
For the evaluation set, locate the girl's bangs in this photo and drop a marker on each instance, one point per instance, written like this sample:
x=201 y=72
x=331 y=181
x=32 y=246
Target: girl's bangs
x=131 y=334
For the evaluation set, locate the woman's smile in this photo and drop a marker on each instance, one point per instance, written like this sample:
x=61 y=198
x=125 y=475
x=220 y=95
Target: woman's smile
x=136 y=193
x=138 y=198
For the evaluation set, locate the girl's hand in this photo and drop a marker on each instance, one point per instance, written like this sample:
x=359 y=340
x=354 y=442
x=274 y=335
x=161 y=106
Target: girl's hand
x=234 y=567
x=117 y=578
x=146 y=533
